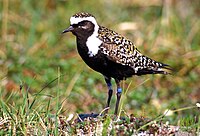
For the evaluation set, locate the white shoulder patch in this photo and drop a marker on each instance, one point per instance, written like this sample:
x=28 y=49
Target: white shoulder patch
x=93 y=43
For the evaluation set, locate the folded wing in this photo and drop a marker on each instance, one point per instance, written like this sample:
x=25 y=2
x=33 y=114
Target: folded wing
x=121 y=50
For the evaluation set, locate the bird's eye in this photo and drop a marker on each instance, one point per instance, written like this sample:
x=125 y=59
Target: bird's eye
x=75 y=25
x=82 y=23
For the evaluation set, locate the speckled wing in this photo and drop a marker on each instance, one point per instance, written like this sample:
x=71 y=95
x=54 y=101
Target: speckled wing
x=123 y=51
x=116 y=47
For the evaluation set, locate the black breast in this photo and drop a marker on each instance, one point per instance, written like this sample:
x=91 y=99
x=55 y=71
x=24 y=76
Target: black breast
x=97 y=62
x=102 y=64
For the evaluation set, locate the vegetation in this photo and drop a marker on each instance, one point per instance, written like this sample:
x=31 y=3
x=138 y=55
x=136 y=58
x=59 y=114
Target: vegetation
x=43 y=80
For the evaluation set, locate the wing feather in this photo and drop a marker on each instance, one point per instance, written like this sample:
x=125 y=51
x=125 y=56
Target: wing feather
x=121 y=50
x=116 y=47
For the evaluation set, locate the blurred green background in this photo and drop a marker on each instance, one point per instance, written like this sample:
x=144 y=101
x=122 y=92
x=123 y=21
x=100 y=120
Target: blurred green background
x=33 y=53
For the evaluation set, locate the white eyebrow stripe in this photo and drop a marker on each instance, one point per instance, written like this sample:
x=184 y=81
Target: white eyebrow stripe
x=76 y=20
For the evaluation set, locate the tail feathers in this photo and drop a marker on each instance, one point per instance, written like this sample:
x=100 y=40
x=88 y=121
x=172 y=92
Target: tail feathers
x=165 y=68
x=145 y=65
x=147 y=71
x=162 y=69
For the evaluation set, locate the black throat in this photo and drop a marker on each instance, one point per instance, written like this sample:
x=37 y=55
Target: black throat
x=82 y=33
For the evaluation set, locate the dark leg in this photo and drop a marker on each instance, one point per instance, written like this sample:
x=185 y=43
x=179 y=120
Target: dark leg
x=119 y=91
x=110 y=91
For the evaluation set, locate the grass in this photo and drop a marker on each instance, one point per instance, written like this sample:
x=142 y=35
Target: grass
x=42 y=77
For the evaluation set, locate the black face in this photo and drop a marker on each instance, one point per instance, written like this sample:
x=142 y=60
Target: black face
x=82 y=29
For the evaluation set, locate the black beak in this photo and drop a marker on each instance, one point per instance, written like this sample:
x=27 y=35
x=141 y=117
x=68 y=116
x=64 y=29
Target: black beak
x=69 y=29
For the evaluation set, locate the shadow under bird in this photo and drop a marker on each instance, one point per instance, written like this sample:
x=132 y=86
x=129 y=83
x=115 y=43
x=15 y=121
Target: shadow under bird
x=110 y=53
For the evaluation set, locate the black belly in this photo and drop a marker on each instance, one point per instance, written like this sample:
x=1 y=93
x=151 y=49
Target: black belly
x=102 y=64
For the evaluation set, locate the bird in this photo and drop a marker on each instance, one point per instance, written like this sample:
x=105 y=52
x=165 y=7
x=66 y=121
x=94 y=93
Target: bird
x=110 y=53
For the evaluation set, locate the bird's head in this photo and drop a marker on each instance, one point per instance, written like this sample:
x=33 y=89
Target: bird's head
x=82 y=24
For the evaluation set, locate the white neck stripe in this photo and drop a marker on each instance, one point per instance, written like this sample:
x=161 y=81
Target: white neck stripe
x=93 y=42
